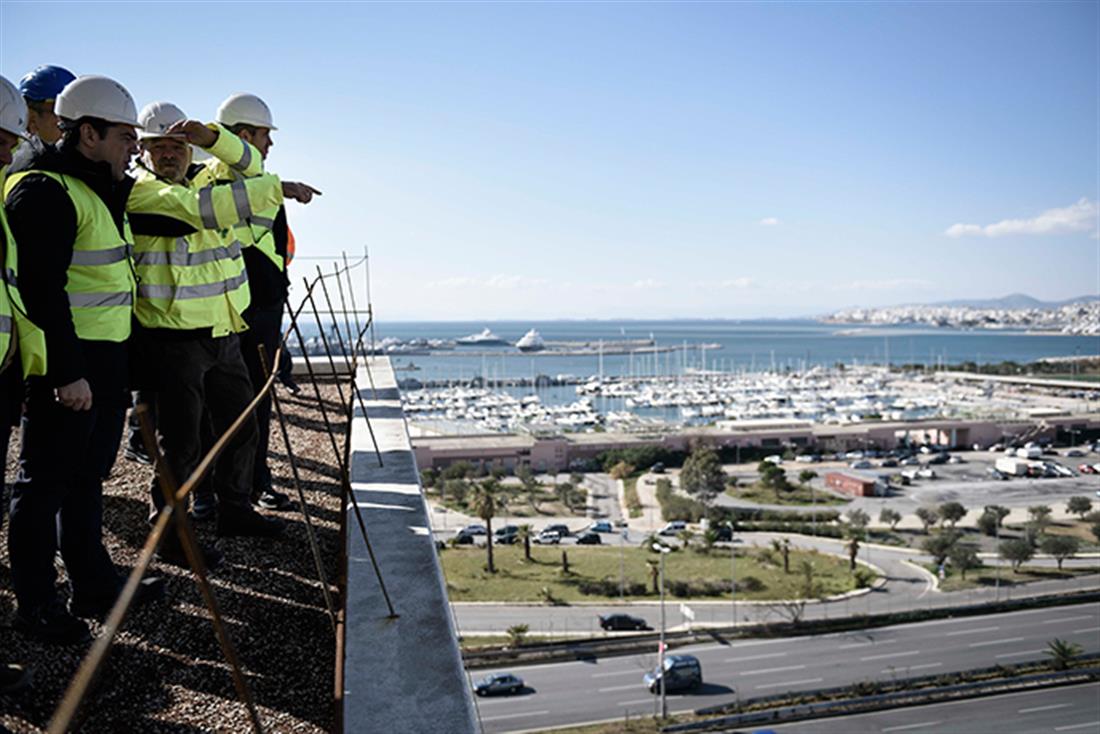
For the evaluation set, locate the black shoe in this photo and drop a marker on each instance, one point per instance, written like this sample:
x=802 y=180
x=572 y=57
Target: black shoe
x=203 y=509
x=52 y=624
x=149 y=590
x=171 y=552
x=13 y=678
x=137 y=453
x=272 y=500
x=233 y=521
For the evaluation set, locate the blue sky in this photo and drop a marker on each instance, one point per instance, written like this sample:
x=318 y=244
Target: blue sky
x=613 y=160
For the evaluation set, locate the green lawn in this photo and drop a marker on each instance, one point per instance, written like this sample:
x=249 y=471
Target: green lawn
x=987 y=576
x=798 y=495
x=519 y=580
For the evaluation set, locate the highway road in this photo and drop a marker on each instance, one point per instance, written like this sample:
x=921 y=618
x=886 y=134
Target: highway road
x=907 y=587
x=609 y=688
x=1054 y=710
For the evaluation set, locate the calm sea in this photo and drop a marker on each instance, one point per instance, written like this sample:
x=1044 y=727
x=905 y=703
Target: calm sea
x=742 y=345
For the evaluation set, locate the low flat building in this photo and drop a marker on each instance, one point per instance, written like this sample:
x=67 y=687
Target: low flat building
x=855 y=484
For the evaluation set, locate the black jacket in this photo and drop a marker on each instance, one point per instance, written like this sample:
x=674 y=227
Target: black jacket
x=267 y=284
x=43 y=221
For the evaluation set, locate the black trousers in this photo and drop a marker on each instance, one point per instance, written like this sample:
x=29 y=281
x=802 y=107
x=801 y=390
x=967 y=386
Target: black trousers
x=264 y=327
x=57 y=500
x=201 y=381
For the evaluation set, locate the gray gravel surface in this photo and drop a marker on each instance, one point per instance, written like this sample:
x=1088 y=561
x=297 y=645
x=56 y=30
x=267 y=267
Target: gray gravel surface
x=166 y=672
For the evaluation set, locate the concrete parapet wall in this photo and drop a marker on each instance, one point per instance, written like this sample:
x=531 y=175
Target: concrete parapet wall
x=402 y=674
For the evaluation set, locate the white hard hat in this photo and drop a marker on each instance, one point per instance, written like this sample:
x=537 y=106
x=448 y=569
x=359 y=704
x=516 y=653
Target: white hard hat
x=13 y=110
x=156 y=117
x=245 y=109
x=96 y=96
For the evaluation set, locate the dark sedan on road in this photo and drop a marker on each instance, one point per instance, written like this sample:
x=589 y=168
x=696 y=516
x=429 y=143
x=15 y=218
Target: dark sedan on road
x=498 y=683
x=589 y=539
x=622 y=622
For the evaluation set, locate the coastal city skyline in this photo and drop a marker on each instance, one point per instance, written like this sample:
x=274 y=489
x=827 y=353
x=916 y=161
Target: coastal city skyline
x=618 y=160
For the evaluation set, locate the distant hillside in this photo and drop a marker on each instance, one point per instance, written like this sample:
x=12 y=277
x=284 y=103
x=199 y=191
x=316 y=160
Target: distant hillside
x=1012 y=301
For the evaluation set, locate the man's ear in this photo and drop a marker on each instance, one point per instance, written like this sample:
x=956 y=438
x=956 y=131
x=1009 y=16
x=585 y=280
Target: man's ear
x=245 y=135
x=88 y=134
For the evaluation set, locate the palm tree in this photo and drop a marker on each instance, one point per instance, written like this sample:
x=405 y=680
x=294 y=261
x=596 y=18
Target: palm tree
x=853 y=550
x=524 y=533
x=654 y=567
x=485 y=505
x=783 y=547
x=1062 y=653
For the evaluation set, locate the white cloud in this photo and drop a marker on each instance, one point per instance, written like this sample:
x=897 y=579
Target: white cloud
x=886 y=284
x=769 y=222
x=737 y=283
x=648 y=283
x=499 y=281
x=1079 y=217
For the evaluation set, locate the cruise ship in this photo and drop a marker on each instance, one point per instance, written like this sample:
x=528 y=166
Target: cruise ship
x=531 y=342
x=484 y=338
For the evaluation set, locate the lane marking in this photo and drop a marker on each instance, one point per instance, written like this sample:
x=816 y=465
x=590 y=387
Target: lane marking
x=513 y=716
x=995 y=642
x=617 y=688
x=637 y=701
x=1051 y=707
x=971 y=632
x=618 y=672
x=1084 y=630
x=905 y=654
x=913 y=667
x=1018 y=654
x=856 y=645
x=764 y=671
x=756 y=657
x=790 y=683
x=1086 y=725
x=922 y=725
x=1067 y=619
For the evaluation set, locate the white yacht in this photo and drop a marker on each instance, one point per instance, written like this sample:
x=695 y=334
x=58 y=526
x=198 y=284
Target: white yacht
x=531 y=342
x=485 y=338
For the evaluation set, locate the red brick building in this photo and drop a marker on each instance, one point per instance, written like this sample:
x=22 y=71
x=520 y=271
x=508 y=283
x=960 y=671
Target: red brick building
x=857 y=485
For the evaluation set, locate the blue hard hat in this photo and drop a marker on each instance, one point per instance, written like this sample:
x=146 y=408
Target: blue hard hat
x=45 y=82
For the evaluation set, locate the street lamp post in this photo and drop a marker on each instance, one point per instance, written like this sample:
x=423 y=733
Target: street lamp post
x=733 y=575
x=661 y=644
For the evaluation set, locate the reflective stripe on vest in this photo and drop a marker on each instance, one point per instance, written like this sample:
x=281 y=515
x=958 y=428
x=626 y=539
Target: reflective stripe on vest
x=184 y=292
x=100 y=278
x=180 y=257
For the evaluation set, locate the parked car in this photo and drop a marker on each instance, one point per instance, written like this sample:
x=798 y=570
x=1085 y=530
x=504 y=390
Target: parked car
x=996 y=473
x=548 y=537
x=941 y=458
x=1075 y=453
x=680 y=672
x=956 y=460
x=774 y=459
x=474 y=530
x=807 y=458
x=926 y=473
x=602 y=526
x=560 y=529
x=588 y=539
x=657 y=468
x=671 y=528
x=723 y=533
x=499 y=683
x=911 y=461
x=1086 y=469
x=889 y=463
x=506 y=535
x=861 y=464
x=462 y=537
x=622 y=622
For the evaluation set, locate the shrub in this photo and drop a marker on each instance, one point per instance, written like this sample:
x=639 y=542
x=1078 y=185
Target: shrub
x=749 y=584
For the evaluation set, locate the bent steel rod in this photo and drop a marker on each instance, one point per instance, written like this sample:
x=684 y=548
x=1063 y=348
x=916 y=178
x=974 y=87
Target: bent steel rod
x=345 y=471
x=348 y=358
x=198 y=565
x=355 y=393
x=335 y=323
x=324 y=343
x=310 y=533
x=86 y=675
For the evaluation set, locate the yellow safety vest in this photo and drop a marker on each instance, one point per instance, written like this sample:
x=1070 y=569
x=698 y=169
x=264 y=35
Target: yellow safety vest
x=100 y=284
x=7 y=324
x=254 y=230
x=197 y=281
x=13 y=314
